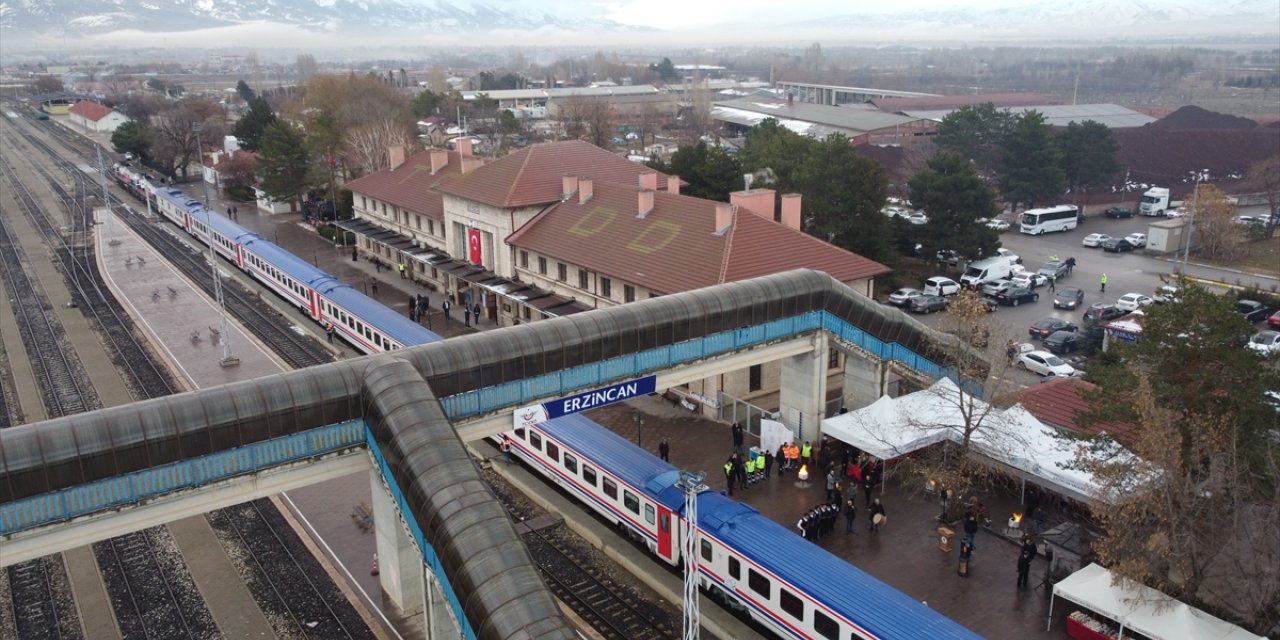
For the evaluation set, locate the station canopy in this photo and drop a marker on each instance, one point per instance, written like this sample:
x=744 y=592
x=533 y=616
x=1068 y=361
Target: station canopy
x=1009 y=438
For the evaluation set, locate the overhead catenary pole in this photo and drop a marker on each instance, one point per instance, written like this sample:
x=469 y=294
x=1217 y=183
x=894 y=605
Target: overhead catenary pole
x=692 y=484
x=224 y=334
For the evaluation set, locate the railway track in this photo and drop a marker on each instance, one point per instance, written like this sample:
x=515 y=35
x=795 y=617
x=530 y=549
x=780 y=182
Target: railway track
x=277 y=568
x=150 y=588
x=42 y=606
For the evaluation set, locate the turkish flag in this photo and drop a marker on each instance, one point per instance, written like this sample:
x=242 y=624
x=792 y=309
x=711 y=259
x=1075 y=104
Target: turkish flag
x=473 y=244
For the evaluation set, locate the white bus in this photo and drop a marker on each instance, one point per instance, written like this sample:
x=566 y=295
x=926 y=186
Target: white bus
x=1060 y=218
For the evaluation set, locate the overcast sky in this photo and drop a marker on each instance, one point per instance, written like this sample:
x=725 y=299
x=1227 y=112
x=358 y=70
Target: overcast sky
x=689 y=13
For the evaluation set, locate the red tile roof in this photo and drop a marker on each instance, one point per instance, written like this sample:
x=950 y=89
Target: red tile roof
x=91 y=111
x=532 y=176
x=1057 y=402
x=410 y=185
x=675 y=247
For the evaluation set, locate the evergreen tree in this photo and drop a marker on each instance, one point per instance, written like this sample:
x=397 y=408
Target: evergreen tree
x=843 y=193
x=283 y=162
x=976 y=133
x=773 y=147
x=955 y=197
x=427 y=103
x=1088 y=154
x=251 y=127
x=133 y=137
x=712 y=172
x=245 y=92
x=666 y=70
x=1031 y=166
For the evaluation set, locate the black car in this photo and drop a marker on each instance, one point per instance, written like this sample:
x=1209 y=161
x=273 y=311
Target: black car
x=1016 y=296
x=1061 y=342
x=1118 y=212
x=1068 y=298
x=1117 y=245
x=1048 y=326
x=929 y=304
x=1252 y=310
x=1102 y=312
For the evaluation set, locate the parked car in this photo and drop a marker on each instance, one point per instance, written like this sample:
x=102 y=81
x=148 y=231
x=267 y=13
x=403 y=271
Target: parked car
x=1029 y=280
x=1118 y=212
x=918 y=217
x=1045 y=364
x=1252 y=310
x=1117 y=245
x=1062 y=342
x=996 y=287
x=1133 y=301
x=1102 y=312
x=1266 y=343
x=1166 y=293
x=1011 y=256
x=929 y=304
x=1016 y=296
x=1068 y=298
x=1055 y=269
x=1046 y=327
x=1138 y=240
x=1095 y=239
x=941 y=286
x=998 y=224
x=947 y=256
x=902 y=297
x=894 y=212
x=1274 y=320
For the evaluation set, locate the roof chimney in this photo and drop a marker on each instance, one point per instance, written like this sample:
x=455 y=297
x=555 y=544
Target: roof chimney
x=649 y=180
x=724 y=216
x=584 y=191
x=568 y=185
x=644 y=203
x=673 y=184
x=464 y=146
x=791 y=210
x=396 y=154
x=471 y=162
x=757 y=201
x=439 y=160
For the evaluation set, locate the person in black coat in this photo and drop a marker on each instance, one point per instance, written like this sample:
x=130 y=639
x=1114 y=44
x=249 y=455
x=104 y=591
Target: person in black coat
x=876 y=509
x=664 y=450
x=737 y=436
x=1024 y=567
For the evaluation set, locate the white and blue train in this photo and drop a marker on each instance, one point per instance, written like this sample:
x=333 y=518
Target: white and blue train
x=786 y=583
x=363 y=322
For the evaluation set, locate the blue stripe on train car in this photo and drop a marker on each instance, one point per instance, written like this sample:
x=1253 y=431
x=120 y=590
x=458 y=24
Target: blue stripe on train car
x=391 y=323
x=287 y=263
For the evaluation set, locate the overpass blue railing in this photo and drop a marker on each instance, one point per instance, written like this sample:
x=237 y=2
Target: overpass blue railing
x=429 y=556
x=138 y=486
x=550 y=385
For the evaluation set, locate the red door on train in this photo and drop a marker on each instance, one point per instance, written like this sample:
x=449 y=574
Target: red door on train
x=239 y=255
x=665 y=522
x=313 y=309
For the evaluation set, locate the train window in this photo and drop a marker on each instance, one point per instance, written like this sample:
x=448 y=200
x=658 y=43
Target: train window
x=791 y=604
x=825 y=626
x=520 y=433
x=611 y=488
x=571 y=463
x=589 y=475
x=631 y=502
x=664 y=523
x=762 y=586
x=553 y=452
x=704 y=548
x=536 y=441
x=649 y=514
x=735 y=568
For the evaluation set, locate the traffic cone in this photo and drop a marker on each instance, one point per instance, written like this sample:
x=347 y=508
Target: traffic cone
x=374 y=570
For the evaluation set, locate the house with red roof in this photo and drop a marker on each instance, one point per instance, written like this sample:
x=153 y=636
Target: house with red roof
x=1058 y=401
x=93 y=117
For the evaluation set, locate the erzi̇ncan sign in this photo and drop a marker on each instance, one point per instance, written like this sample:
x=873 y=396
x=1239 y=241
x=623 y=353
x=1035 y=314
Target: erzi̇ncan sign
x=538 y=413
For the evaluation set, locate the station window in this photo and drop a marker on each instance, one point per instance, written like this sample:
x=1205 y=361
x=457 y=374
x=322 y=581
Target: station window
x=631 y=502
x=628 y=293
x=650 y=515
x=833 y=358
x=542 y=266
x=611 y=488
x=583 y=279
x=606 y=288
x=704 y=549
x=417 y=222
x=431 y=226
x=571 y=463
x=535 y=440
x=735 y=568
x=553 y=452
x=754 y=377
x=589 y=474
x=524 y=259
x=562 y=272
x=762 y=586
x=364 y=202
x=792 y=604
x=825 y=626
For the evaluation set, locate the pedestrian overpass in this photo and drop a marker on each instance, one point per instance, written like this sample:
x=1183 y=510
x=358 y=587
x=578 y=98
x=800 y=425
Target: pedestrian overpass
x=407 y=414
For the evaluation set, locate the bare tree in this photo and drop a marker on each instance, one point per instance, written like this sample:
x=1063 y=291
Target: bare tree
x=1218 y=233
x=367 y=145
x=307 y=66
x=176 y=141
x=588 y=118
x=697 y=117
x=237 y=170
x=1265 y=175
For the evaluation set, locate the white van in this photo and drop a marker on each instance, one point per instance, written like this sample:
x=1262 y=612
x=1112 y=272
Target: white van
x=941 y=286
x=984 y=271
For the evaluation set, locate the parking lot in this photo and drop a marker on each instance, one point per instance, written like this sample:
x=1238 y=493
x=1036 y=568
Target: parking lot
x=1134 y=272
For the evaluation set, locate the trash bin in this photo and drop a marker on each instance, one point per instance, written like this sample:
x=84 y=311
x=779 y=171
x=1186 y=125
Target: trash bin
x=945 y=534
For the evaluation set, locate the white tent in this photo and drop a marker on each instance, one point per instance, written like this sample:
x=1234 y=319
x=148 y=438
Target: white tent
x=893 y=427
x=1143 y=609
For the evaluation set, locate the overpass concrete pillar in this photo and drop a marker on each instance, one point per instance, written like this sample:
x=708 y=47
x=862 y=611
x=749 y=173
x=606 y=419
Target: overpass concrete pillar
x=400 y=565
x=804 y=389
x=864 y=381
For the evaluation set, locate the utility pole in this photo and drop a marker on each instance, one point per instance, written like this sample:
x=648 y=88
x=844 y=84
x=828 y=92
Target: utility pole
x=692 y=485
x=227 y=360
x=106 y=201
x=1191 y=219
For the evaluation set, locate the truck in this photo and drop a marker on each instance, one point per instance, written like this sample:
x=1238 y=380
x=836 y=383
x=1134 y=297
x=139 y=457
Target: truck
x=987 y=270
x=1156 y=202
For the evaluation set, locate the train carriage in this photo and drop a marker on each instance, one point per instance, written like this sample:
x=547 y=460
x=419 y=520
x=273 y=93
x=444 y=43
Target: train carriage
x=366 y=323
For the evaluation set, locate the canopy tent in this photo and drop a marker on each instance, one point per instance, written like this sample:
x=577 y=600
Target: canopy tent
x=1142 y=609
x=893 y=427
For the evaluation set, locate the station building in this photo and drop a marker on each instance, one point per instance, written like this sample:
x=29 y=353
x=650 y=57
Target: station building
x=93 y=117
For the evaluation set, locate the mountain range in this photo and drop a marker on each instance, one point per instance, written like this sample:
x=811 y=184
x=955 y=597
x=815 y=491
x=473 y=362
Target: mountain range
x=565 y=22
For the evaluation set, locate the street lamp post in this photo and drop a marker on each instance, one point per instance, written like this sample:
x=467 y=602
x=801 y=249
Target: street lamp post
x=639 y=419
x=1191 y=219
x=224 y=334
